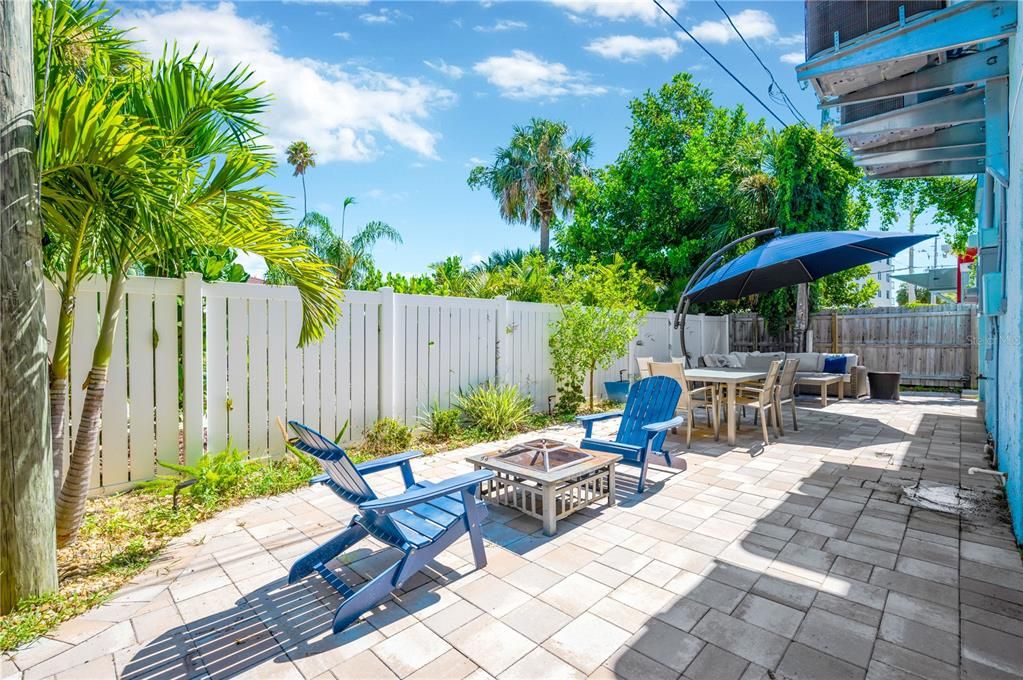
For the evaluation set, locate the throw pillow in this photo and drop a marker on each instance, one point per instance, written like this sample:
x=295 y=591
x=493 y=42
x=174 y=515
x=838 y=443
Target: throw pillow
x=834 y=363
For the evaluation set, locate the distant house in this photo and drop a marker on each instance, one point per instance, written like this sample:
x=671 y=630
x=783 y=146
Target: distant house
x=881 y=272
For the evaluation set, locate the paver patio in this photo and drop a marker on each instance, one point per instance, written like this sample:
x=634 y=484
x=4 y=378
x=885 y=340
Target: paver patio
x=799 y=561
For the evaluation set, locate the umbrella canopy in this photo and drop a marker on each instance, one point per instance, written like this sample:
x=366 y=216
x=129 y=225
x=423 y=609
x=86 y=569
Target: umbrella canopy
x=798 y=258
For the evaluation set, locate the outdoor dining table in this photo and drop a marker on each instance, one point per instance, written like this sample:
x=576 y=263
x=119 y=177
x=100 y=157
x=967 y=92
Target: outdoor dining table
x=730 y=378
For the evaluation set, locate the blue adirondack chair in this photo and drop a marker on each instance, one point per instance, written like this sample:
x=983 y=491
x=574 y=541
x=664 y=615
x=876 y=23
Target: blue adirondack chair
x=421 y=522
x=649 y=414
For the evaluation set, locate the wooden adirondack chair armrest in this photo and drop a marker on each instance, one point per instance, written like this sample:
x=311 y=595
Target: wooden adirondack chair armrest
x=654 y=428
x=467 y=482
x=587 y=421
x=387 y=462
x=319 y=479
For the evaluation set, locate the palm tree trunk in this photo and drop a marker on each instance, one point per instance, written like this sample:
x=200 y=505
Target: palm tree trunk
x=61 y=361
x=28 y=560
x=545 y=232
x=305 y=203
x=74 y=490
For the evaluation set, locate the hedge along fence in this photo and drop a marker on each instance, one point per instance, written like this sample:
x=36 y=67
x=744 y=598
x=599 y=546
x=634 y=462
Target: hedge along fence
x=197 y=365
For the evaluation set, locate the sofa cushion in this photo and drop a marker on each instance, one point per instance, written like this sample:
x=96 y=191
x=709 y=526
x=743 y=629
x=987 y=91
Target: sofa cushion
x=761 y=362
x=715 y=360
x=808 y=361
x=737 y=359
x=834 y=363
x=850 y=361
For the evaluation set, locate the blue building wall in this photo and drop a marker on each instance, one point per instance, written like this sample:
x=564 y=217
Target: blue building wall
x=1004 y=417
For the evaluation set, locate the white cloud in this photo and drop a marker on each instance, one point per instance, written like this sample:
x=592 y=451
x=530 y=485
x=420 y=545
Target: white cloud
x=344 y=35
x=450 y=70
x=788 y=40
x=474 y=161
x=792 y=58
x=339 y=110
x=255 y=265
x=523 y=75
x=752 y=23
x=385 y=15
x=619 y=10
x=633 y=47
x=501 y=25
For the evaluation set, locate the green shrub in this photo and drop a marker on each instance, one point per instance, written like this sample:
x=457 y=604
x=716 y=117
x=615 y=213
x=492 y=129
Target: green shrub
x=387 y=436
x=442 y=423
x=495 y=409
x=217 y=475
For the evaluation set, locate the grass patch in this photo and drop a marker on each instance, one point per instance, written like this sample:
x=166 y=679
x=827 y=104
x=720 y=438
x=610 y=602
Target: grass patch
x=122 y=534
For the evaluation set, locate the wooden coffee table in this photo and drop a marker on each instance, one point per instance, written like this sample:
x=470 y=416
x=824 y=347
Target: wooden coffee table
x=824 y=381
x=573 y=480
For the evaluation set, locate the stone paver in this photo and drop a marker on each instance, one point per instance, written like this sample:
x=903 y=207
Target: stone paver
x=799 y=562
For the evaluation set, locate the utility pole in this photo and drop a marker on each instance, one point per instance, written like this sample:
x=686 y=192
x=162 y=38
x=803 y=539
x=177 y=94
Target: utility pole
x=910 y=288
x=28 y=553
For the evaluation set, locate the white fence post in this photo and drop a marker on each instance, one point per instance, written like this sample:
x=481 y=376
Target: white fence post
x=191 y=338
x=502 y=348
x=388 y=352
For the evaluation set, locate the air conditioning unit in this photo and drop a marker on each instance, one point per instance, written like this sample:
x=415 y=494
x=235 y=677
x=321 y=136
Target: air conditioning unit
x=853 y=18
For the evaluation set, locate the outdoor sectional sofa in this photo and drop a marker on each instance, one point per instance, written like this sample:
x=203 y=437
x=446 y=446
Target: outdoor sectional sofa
x=810 y=363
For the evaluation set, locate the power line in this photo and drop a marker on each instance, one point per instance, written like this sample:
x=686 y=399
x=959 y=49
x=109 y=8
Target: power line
x=781 y=98
x=718 y=62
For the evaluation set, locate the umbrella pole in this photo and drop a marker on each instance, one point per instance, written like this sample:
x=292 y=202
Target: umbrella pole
x=682 y=308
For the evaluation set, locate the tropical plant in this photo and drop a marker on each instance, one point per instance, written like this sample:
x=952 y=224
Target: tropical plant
x=386 y=436
x=349 y=200
x=531 y=177
x=216 y=475
x=351 y=261
x=301 y=157
x=497 y=410
x=441 y=423
x=138 y=160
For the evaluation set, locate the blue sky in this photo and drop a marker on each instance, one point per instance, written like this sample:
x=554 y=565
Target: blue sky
x=400 y=99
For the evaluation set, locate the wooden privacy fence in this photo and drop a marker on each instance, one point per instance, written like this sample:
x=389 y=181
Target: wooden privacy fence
x=197 y=365
x=930 y=346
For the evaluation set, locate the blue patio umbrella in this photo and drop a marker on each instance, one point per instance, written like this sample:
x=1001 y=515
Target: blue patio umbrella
x=798 y=258
x=786 y=261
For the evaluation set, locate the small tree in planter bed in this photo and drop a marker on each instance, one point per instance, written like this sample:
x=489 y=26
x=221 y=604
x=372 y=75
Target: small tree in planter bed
x=600 y=315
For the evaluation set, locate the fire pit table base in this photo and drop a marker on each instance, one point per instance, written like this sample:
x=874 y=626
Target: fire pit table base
x=549 y=496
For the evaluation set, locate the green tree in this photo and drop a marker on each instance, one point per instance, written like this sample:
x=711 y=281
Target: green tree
x=600 y=313
x=531 y=177
x=351 y=261
x=951 y=198
x=139 y=159
x=671 y=196
x=349 y=200
x=301 y=157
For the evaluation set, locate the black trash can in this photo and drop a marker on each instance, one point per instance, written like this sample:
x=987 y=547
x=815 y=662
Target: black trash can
x=884 y=384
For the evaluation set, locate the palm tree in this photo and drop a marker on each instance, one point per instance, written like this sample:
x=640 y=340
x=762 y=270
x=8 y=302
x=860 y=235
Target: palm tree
x=350 y=261
x=531 y=177
x=301 y=157
x=349 y=200
x=136 y=163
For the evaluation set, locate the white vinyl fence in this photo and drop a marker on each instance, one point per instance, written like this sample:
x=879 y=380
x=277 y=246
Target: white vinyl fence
x=197 y=366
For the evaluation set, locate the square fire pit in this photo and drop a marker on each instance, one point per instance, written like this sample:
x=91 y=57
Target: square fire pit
x=547 y=479
x=543 y=454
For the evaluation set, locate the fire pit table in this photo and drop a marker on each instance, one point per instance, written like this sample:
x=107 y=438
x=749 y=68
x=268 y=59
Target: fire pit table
x=547 y=479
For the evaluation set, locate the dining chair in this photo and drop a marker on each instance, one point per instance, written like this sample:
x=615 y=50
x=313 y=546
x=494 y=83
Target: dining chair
x=692 y=398
x=785 y=392
x=763 y=399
